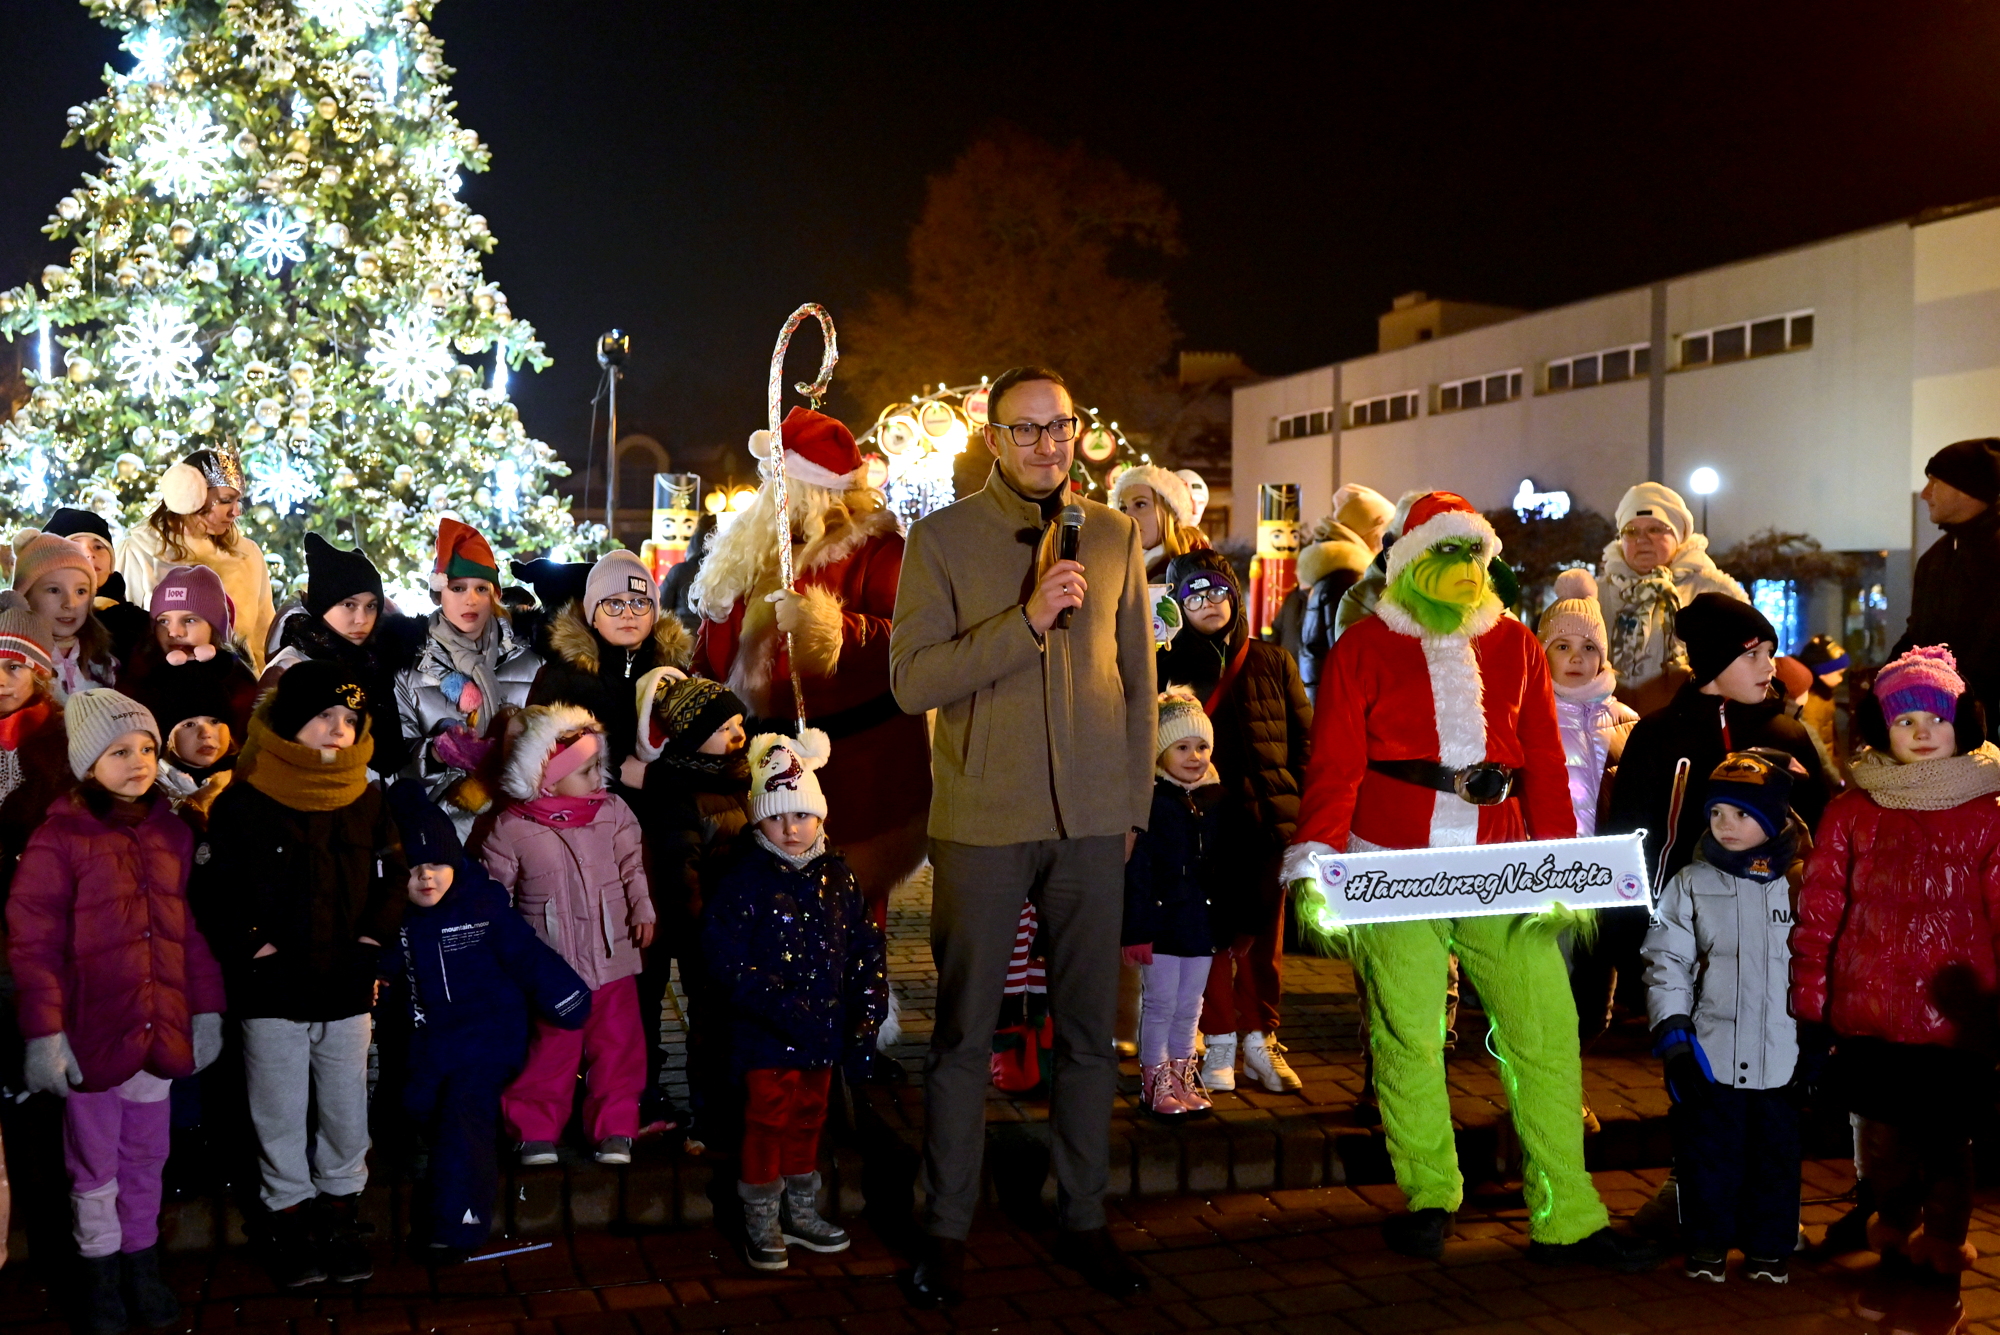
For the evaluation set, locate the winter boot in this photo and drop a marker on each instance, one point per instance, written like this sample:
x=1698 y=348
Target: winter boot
x=1264 y=1061
x=763 y=1241
x=1160 y=1093
x=1218 y=1064
x=103 y=1306
x=1187 y=1080
x=295 y=1255
x=339 y=1232
x=799 y=1218
x=148 y=1300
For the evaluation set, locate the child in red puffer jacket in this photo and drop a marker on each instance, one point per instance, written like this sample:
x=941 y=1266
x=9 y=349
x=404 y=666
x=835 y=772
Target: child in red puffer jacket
x=1895 y=953
x=118 y=994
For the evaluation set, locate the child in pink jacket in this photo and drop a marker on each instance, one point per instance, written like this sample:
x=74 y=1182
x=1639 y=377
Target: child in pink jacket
x=118 y=995
x=569 y=853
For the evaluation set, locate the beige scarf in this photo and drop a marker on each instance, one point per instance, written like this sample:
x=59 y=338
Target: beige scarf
x=1930 y=785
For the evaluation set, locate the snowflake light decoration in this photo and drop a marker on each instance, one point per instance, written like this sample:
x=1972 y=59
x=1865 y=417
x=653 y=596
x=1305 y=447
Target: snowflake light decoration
x=349 y=18
x=274 y=239
x=390 y=65
x=507 y=489
x=151 y=50
x=182 y=155
x=34 y=492
x=156 y=351
x=410 y=359
x=282 y=484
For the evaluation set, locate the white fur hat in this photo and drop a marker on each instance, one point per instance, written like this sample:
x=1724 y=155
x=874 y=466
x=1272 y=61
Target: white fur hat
x=1171 y=488
x=782 y=777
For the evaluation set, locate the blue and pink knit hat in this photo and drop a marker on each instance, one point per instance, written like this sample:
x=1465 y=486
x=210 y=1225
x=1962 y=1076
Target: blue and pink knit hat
x=1923 y=680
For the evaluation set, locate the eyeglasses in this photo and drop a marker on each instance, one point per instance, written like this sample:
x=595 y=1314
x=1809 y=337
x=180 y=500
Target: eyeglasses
x=1657 y=531
x=1062 y=431
x=619 y=607
x=1201 y=598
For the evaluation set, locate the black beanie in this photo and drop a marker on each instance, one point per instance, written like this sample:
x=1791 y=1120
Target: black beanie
x=310 y=687
x=334 y=576
x=428 y=836
x=68 y=522
x=1718 y=630
x=1972 y=466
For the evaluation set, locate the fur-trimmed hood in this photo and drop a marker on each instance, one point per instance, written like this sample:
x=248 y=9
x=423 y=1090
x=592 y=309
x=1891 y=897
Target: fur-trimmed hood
x=1341 y=549
x=542 y=726
x=572 y=640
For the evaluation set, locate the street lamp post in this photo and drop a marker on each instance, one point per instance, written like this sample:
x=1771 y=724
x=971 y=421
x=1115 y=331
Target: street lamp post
x=1704 y=482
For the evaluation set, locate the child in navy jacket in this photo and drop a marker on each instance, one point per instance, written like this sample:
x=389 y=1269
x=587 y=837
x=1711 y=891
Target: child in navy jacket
x=803 y=967
x=466 y=968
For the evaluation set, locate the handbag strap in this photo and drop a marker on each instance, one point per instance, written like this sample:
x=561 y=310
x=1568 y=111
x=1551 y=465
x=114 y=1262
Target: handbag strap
x=1228 y=678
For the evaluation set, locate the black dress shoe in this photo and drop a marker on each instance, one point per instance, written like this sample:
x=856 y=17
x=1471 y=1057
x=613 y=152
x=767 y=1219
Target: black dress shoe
x=1420 y=1233
x=939 y=1278
x=1605 y=1249
x=1091 y=1253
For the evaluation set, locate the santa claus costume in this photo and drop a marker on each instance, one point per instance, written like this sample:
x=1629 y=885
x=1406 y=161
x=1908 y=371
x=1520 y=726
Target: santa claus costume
x=1438 y=694
x=847 y=557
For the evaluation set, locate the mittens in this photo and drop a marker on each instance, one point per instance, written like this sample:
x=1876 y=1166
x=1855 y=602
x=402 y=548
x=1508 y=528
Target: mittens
x=461 y=748
x=207 y=1039
x=51 y=1066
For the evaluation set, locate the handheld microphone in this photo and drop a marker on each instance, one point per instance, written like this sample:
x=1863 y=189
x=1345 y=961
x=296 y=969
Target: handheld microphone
x=1068 y=534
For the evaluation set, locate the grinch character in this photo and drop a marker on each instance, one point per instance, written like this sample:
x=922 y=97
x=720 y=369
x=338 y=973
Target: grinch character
x=1436 y=728
x=847 y=557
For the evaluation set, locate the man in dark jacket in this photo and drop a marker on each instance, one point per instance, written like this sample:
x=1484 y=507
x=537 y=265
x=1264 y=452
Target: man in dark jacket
x=1263 y=727
x=465 y=968
x=1953 y=603
x=1728 y=706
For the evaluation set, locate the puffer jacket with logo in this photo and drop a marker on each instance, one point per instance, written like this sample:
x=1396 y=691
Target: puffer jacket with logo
x=1899 y=923
x=104 y=947
x=1719 y=953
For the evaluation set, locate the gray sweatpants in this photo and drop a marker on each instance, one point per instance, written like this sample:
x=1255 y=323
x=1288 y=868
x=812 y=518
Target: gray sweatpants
x=283 y=1061
x=1078 y=887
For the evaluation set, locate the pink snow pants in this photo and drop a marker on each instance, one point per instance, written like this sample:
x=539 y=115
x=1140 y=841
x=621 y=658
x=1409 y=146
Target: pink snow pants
x=611 y=1048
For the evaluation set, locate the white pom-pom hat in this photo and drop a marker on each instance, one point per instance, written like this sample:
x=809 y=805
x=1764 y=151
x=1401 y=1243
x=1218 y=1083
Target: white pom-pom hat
x=783 y=773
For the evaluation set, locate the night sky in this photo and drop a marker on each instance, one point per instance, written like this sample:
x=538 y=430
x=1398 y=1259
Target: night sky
x=693 y=171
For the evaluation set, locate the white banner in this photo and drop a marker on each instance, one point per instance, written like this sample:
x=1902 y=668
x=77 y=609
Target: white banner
x=1396 y=885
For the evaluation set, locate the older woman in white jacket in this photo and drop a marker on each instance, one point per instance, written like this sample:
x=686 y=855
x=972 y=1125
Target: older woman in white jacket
x=1654 y=567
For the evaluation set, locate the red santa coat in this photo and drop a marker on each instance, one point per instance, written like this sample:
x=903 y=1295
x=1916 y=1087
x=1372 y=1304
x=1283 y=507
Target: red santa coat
x=1392 y=692
x=879 y=778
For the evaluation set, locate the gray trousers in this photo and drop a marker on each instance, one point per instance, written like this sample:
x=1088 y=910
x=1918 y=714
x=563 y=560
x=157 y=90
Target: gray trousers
x=284 y=1061
x=1078 y=887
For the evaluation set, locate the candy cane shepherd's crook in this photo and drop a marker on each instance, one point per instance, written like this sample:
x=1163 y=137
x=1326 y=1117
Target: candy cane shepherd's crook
x=774 y=402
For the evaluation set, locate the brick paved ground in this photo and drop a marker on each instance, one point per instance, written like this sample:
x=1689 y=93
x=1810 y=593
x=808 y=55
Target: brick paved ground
x=1306 y=1262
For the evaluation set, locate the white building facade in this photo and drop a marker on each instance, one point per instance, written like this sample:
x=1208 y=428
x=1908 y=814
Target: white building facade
x=1815 y=382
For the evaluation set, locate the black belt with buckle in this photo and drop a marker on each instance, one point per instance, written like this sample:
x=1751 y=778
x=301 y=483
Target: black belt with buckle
x=1484 y=784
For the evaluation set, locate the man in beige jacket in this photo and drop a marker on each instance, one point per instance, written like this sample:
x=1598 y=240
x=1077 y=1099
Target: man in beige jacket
x=1042 y=760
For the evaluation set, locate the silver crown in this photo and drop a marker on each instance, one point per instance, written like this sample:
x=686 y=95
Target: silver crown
x=219 y=468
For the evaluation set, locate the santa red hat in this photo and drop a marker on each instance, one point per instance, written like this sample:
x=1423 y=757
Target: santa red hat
x=1435 y=516
x=819 y=450
x=462 y=553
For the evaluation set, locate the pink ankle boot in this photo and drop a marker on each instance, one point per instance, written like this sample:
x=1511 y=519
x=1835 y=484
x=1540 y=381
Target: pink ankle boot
x=1187 y=1079
x=1159 y=1091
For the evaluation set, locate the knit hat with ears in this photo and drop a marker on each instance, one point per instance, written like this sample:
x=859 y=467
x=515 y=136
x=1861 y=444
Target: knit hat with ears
x=1181 y=715
x=96 y=718
x=333 y=576
x=680 y=712
x=818 y=449
x=43 y=554
x=782 y=778
x=1434 y=517
x=24 y=636
x=195 y=589
x=547 y=745
x=618 y=574
x=462 y=553
x=1656 y=500
x=1575 y=612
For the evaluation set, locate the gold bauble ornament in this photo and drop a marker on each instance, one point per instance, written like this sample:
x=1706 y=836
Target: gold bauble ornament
x=180 y=231
x=253 y=432
x=245 y=144
x=301 y=373
x=327 y=107
x=269 y=412
x=367 y=263
x=79 y=370
x=257 y=373
x=435 y=294
x=385 y=155
x=69 y=208
x=242 y=336
x=127 y=275
x=422 y=433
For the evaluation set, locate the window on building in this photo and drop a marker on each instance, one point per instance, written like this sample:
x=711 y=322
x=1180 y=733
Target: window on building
x=1384 y=408
x=1297 y=426
x=1499 y=387
x=1752 y=338
x=1598 y=368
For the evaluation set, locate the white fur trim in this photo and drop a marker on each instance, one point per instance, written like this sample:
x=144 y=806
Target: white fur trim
x=184 y=489
x=1301 y=862
x=1450 y=524
x=528 y=755
x=891 y=1032
x=1458 y=705
x=1171 y=489
x=439 y=581
x=816 y=644
x=798 y=468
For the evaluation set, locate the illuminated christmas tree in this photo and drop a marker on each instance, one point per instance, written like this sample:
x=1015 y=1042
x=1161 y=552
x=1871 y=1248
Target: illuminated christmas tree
x=274 y=259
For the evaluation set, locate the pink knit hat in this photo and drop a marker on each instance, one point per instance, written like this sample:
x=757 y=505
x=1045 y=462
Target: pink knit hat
x=1923 y=680
x=1575 y=611
x=45 y=552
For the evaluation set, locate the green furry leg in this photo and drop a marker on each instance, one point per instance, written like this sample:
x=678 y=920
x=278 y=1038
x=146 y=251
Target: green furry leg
x=1519 y=973
x=1403 y=965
